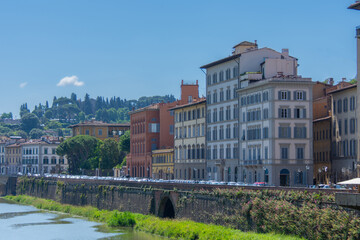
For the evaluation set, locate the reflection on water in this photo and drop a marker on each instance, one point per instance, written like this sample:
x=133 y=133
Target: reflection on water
x=27 y=222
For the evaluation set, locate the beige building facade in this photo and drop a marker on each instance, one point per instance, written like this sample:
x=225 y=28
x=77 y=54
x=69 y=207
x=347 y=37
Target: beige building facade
x=189 y=147
x=344 y=132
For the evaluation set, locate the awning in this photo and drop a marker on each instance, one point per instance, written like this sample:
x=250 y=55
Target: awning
x=354 y=181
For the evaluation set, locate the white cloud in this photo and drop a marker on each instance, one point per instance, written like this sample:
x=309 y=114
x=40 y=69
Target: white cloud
x=22 y=85
x=73 y=80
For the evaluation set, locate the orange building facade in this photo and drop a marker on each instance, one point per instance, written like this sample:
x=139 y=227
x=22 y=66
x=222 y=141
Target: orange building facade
x=152 y=128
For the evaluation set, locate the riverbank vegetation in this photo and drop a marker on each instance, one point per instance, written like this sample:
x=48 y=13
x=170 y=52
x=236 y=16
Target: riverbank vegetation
x=175 y=229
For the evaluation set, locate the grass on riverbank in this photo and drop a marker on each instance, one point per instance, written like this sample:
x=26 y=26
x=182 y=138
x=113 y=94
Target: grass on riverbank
x=175 y=229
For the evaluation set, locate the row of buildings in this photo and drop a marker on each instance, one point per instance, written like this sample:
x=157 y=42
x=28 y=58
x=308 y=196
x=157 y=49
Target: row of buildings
x=260 y=122
x=36 y=156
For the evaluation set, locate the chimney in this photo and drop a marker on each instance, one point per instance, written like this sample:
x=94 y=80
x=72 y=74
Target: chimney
x=343 y=79
x=285 y=52
x=331 y=81
x=197 y=82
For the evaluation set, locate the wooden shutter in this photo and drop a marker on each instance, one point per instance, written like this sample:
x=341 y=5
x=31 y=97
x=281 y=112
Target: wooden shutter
x=304 y=95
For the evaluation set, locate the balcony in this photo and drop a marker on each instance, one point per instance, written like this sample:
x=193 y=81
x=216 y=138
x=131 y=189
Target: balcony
x=253 y=162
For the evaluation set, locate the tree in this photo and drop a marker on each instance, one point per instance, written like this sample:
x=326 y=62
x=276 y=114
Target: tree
x=29 y=121
x=21 y=133
x=109 y=154
x=353 y=81
x=6 y=115
x=24 y=109
x=87 y=105
x=78 y=150
x=36 y=133
x=124 y=143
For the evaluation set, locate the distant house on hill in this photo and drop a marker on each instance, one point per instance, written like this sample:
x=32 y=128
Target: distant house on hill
x=100 y=130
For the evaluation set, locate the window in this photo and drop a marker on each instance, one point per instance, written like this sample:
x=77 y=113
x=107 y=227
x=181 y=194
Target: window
x=228 y=151
x=215 y=115
x=352 y=125
x=208 y=117
x=171 y=129
x=221 y=95
x=221 y=133
x=208 y=134
x=284 y=132
x=284 y=152
x=189 y=132
x=45 y=151
x=300 y=113
x=221 y=114
x=284 y=95
x=236 y=130
x=208 y=98
x=299 y=132
x=352 y=103
x=228 y=131
x=190 y=99
x=221 y=76
x=228 y=93
x=299 y=95
x=234 y=91
x=265 y=132
x=235 y=72
x=254 y=133
x=236 y=112
x=340 y=127
x=87 y=132
x=100 y=132
x=208 y=79
x=215 y=97
x=284 y=113
x=345 y=105
x=339 y=103
x=215 y=78
x=154 y=127
x=215 y=152
x=300 y=153
x=228 y=116
x=53 y=151
x=266 y=153
x=228 y=72
x=214 y=133
x=345 y=125
x=265 y=113
x=265 y=96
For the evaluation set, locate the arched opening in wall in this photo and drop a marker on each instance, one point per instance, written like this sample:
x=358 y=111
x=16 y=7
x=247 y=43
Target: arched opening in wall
x=166 y=208
x=284 y=177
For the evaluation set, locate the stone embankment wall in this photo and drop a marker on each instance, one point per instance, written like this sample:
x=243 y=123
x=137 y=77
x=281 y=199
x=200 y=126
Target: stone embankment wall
x=227 y=206
x=108 y=197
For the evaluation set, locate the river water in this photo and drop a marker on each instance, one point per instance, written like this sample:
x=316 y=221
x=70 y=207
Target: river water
x=29 y=223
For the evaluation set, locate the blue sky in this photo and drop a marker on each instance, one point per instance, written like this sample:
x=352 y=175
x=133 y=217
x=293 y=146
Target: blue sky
x=144 y=48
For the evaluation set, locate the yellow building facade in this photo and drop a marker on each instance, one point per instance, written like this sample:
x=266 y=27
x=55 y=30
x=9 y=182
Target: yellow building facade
x=163 y=164
x=100 y=130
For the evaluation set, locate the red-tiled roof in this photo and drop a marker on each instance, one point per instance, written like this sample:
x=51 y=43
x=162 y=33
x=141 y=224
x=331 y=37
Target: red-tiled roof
x=99 y=123
x=197 y=101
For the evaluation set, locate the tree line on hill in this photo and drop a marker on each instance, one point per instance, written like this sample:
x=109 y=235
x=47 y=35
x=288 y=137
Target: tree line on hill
x=65 y=111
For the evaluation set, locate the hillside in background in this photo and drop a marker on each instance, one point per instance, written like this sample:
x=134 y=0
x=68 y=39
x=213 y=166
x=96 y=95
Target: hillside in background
x=54 y=119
